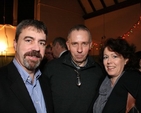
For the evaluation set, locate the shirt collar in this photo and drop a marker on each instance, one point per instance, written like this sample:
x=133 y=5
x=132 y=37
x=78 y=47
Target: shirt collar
x=62 y=53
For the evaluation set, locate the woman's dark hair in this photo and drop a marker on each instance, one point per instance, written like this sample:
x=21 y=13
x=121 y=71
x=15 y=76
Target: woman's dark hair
x=138 y=57
x=121 y=47
x=40 y=26
x=138 y=54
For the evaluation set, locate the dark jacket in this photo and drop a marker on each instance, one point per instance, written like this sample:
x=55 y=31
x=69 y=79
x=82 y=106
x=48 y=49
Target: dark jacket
x=130 y=82
x=67 y=96
x=14 y=97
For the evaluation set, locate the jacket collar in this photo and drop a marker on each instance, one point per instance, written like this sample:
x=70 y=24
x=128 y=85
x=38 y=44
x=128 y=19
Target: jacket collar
x=68 y=61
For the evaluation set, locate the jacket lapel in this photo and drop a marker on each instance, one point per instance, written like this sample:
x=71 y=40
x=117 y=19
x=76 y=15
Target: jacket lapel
x=18 y=87
x=46 y=93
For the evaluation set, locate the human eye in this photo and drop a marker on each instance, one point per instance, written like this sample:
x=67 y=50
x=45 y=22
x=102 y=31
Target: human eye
x=115 y=56
x=28 y=40
x=85 y=43
x=74 y=43
x=43 y=43
x=105 y=57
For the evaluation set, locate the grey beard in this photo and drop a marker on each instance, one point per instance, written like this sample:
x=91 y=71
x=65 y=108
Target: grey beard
x=30 y=66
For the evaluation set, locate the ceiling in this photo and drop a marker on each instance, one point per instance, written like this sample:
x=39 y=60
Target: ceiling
x=92 y=8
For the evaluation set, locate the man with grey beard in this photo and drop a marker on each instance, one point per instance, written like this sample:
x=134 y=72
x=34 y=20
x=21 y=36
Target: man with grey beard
x=23 y=89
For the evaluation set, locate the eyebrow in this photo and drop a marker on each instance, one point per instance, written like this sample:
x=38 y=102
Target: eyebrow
x=34 y=38
x=28 y=37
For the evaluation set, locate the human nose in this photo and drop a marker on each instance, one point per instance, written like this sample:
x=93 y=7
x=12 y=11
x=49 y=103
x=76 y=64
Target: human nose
x=79 y=49
x=109 y=60
x=36 y=46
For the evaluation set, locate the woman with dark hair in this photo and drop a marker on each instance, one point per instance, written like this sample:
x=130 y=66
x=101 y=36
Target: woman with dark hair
x=121 y=79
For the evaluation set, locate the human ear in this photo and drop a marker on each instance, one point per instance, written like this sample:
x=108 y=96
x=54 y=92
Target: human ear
x=67 y=43
x=126 y=60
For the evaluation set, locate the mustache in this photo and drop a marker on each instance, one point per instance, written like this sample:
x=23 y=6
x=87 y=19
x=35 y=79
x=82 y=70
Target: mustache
x=33 y=53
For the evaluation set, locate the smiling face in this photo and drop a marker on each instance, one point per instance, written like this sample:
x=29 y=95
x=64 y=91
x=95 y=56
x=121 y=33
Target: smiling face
x=113 y=63
x=79 y=45
x=30 y=48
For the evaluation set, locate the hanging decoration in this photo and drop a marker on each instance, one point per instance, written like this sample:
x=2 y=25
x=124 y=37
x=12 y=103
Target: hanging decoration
x=97 y=46
x=127 y=34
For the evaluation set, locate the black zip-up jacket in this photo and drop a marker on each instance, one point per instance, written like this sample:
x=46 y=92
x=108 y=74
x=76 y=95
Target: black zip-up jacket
x=67 y=96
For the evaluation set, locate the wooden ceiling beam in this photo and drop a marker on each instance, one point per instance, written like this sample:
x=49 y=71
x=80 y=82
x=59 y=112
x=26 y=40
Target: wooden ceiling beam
x=82 y=7
x=103 y=3
x=91 y=4
x=111 y=8
x=116 y=1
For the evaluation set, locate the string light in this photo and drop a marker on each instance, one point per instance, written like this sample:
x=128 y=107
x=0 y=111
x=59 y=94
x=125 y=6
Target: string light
x=132 y=29
x=97 y=46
